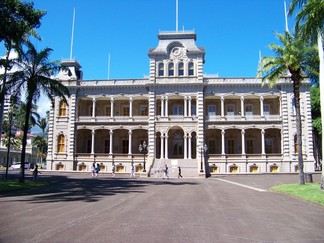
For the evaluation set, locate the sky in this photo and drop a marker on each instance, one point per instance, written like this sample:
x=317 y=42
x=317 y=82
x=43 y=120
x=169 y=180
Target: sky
x=233 y=33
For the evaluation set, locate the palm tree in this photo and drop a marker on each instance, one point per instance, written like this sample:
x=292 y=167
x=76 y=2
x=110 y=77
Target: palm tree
x=18 y=21
x=35 y=78
x=310 y=18
x=21 y=114
x=293 y=56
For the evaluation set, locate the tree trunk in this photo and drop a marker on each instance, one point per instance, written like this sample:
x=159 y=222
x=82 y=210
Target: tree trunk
x=321 y=81
x=24 y=141
x=296 y=86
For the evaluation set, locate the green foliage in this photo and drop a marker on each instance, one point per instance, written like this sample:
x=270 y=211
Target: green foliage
x=12 y=185
x=316 y=109
x=310 y=191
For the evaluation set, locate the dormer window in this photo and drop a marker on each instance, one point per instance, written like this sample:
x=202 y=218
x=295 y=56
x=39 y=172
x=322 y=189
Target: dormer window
x=161 y=69
x=171 y=69
x=190 y=69
x=180 y=69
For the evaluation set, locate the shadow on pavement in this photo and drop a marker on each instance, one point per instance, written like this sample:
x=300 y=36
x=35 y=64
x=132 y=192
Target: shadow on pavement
x=62 y=188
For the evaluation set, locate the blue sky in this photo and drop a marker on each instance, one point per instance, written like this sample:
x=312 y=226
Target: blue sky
x=231 y=31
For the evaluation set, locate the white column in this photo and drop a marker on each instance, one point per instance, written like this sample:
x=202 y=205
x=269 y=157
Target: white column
x=129 y=142
x=162 y=147
x=185 y=106
x=92 y=141
x=223 y=141
x=166 y=107
x=162 y=106
x=242 y=106
x=261 y=105
x=185 y=147
x=93 y=107
x=111 y=107
x=243 y=141
x=111 y=142
x=189 y=99
x=166 y=148
x=189 y=152
x=131 y=107
x=222 y=106
x=263 y=141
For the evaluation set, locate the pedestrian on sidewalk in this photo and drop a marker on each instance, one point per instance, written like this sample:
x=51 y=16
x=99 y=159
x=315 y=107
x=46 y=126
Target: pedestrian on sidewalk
x=166 y=172
x=35 y=173
x=97 y=169
x=93 y=170
x=132 y=173
x=113 y=170
x=179 y=174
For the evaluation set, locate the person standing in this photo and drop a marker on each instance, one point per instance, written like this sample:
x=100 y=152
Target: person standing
x=93 y=169
x=132 y=174
x=179 y=174
x=166 y=172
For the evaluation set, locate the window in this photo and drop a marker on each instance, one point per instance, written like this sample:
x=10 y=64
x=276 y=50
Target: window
x=230 y=110
x=249 y=146
x=190 y=69
x=107 y=145
x=125 y=111
x=161 y=69
x=107 y=110
x=125 y=146
x=178 y=110
x=171 y=69
x=266 y=109
x=193 y=109
x=212 y=146
x=293 y=106
x=180 y=69
x=60 y=143
x=230 y=146
x=268 y=148
x=248 y=110
x=63 y=106
x=295 y=144
x=211 y=110
x=143 y=110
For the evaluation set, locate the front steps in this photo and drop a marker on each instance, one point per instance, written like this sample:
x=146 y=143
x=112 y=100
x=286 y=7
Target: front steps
x=189 y=168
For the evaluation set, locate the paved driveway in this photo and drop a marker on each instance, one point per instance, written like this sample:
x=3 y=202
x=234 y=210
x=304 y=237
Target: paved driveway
x=76 y=208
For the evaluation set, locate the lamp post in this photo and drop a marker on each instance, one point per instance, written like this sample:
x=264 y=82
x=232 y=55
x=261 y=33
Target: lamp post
x=142 y=148
x=203 y=150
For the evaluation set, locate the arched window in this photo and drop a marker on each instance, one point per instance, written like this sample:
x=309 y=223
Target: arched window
x=190 y=69
x=60 y=143
x=161 y=69
x=171 y=69
x=180 y=69
x=63 y=108
x=295 y=144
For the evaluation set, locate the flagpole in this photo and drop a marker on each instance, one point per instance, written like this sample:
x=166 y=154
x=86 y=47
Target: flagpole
x=286 y=17
x=176 y=15
x=72 y=36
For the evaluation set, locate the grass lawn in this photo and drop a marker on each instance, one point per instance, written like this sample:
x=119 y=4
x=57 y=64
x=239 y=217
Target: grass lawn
x=14 y=185
x=309 y=192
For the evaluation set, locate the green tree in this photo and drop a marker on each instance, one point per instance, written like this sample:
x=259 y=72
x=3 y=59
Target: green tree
x=41 y=141
x=35 y=78
x=293 y=56
x=18 y=21
x=21 y=114
x=310 y=19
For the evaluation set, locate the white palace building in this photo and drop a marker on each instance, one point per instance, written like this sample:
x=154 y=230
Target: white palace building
x=205 y=125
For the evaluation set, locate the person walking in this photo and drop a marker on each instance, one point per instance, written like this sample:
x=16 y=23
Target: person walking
x=97 y=169
x=113 y=171
x=166 y=172
x=179 y=174
x=35 y=173
x=93 y=170
x=132 y=174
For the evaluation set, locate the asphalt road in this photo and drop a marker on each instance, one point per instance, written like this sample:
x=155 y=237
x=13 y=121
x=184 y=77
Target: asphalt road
x=240 y=208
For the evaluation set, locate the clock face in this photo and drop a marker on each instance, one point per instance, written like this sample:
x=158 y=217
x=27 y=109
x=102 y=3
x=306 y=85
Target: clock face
x=176 y=51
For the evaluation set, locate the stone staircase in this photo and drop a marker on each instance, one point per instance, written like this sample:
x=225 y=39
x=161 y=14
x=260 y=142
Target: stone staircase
x=189 y=168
